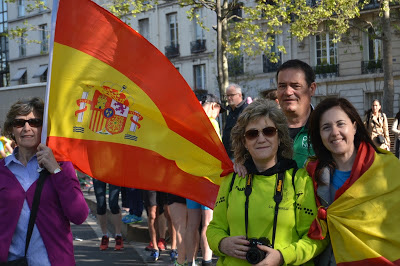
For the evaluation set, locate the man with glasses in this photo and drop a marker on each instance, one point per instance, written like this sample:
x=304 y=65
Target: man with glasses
x=236 y=104
x=296 y=86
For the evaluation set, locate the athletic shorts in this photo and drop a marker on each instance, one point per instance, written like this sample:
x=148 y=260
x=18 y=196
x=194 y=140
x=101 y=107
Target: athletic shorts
x=190 y=204
x=171 y=198
x=153 y=198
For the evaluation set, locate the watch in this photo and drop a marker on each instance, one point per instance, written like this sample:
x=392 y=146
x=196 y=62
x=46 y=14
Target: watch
x=57 y=170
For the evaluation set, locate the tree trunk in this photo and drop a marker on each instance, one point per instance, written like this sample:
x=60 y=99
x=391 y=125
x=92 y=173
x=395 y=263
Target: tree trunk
x=388 y=84
x=222 y=61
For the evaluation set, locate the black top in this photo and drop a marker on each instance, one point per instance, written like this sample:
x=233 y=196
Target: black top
x=230 y=123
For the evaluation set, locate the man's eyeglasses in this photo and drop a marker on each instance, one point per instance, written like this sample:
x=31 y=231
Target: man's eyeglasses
x=34 y=122
x=230 y=95
x=254 y=133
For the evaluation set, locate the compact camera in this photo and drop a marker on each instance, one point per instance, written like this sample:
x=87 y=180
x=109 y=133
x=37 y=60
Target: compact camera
x=255 y=255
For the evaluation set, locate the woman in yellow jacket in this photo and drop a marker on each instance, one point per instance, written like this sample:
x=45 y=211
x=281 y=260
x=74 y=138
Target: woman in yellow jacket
x=264 y=218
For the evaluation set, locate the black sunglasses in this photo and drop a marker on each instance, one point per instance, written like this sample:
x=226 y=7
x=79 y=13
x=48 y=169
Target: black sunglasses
x=35 y=122
x=254 y=133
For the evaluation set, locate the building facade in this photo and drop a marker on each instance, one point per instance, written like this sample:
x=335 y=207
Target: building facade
x=350 y=69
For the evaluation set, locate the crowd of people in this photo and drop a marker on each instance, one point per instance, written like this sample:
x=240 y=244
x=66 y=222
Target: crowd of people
x=313 y=185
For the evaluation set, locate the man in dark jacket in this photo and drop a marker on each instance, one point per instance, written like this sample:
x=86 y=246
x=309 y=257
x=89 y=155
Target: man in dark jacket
x=236 y=104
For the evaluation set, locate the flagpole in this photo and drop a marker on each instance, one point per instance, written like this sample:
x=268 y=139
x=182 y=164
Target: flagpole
x=46 y=106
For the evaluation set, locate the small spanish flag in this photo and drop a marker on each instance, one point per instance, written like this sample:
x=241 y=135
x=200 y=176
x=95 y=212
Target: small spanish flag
x=121 y=112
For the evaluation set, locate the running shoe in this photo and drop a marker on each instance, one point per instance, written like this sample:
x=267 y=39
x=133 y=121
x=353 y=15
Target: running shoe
x=125 y=218
x=154 y=255
x=173 y=255
x=119 y=243
x=132 y=219
x=150 y=247
x=161 y=244
x=104 y=243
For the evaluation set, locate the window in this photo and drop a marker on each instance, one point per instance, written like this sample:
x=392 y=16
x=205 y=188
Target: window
x=41 y=73
x=199 y=77
x=4 y=70
x=269 y=66
x=44 y=44
x=235 y=65
x=144 y=28
x=326 y=57
x=21 y=8
x=199 y=31
x=326 y=50
x=21 y=76
x=173 y=29
x=374 y=47
x=22 y=47
x=372 y=55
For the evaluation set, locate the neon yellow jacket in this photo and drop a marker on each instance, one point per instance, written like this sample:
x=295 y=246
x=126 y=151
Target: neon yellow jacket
x=296 y=212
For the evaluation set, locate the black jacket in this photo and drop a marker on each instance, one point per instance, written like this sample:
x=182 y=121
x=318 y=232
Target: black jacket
x=230 y=123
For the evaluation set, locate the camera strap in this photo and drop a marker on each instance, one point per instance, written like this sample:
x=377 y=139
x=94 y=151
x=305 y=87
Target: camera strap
x=277 y=199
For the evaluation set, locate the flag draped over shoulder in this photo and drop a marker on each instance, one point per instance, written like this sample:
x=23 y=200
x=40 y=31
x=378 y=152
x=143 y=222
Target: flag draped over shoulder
x=363 y=219
x=122 y=113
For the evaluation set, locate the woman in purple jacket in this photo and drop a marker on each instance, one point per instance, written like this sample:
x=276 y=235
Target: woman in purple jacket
x=61 y=201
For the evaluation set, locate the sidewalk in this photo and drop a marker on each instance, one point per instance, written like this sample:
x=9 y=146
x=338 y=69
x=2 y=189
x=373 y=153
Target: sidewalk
x=137 y=235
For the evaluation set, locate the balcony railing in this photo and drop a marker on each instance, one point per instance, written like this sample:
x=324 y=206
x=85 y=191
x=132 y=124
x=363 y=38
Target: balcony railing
x=268 y=66
x=324 y=71
x=235 y=66
x=372 y=66
x=172 y=51
x=198 y=46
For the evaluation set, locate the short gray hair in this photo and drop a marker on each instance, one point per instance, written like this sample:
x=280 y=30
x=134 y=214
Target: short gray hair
x=236 y=86
x=258 y=109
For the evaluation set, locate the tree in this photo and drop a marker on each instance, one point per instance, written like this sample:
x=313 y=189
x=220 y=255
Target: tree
x=258 y=22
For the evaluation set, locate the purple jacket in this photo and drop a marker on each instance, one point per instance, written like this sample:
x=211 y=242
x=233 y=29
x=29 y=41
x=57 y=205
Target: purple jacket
x=61 y=202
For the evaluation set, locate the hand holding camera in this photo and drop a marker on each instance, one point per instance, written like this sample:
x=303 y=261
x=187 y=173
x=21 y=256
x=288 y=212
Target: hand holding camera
x=234 y=246
x=260 y=249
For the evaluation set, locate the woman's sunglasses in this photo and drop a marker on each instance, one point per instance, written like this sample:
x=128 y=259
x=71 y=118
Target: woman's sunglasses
x=35 y=122
x=254 y=133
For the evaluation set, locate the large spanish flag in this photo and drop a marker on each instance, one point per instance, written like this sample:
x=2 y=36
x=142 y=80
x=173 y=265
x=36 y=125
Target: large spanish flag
x=363 y=220
x=122 y=113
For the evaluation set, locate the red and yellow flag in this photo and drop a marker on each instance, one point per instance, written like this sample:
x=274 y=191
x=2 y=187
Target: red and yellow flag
x=363 y=219
x=122 y=113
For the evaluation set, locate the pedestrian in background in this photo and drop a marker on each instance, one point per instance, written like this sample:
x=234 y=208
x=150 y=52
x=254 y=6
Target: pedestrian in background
x=396 y=130
x=100 y=190
x=236 y=105
x=61 y=201
x=377 y=125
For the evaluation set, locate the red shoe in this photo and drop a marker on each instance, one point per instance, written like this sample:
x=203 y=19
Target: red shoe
x=104 y=243
x=161 y=244
x=150 y=247
x=119 y=243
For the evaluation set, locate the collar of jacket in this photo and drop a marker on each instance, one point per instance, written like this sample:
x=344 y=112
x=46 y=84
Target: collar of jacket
x=281 y=166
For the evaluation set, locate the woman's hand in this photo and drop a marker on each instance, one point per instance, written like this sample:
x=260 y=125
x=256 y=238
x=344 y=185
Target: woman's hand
x=46 y=159
x=234 y=246
x=274 y=257
x=240 y=169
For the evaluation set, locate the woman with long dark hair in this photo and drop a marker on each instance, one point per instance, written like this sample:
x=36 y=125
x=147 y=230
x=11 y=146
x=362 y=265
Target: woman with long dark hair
x=357 y=189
